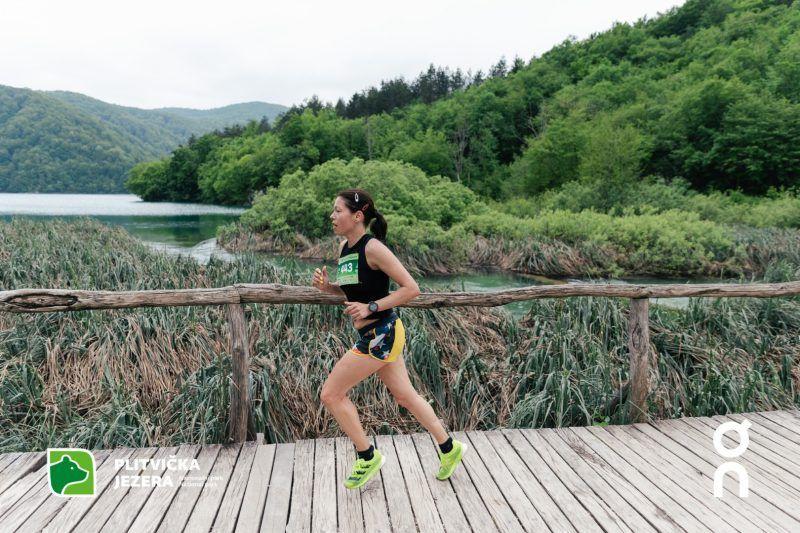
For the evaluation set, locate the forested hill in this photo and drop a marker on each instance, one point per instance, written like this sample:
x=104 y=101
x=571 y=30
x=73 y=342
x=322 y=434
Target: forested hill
x=57 y=141
x=709 y=91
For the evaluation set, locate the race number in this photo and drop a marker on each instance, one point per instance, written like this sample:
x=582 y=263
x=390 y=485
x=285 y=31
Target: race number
x=348 y=270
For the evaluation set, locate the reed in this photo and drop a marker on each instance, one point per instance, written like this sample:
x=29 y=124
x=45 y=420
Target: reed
x=160 y=376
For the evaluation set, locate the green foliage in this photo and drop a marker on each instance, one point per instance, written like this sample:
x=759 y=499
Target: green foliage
x=148 y=180
x=672 y=241
x=706 y=92
x=303 y=201
x=67 y=142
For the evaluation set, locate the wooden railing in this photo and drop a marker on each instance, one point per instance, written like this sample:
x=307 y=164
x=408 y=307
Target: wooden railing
x=641 y=362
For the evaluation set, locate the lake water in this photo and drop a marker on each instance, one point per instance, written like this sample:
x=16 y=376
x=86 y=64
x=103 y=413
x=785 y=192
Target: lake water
x=185 y=228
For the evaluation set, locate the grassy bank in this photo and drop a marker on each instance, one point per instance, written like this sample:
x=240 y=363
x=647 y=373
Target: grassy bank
x=440 y=226
x=159 y=376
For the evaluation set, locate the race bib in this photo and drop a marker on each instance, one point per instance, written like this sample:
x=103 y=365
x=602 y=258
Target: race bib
x=348 y=269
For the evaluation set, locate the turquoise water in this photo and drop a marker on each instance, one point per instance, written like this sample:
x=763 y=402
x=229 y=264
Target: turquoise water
x=185 y=228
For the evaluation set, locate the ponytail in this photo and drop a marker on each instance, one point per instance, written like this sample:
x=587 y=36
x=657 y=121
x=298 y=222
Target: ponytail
x=378 y=227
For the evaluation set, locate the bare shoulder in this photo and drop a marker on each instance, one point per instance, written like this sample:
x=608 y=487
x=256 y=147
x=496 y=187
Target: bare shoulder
x=375 y=246
x=377 y=253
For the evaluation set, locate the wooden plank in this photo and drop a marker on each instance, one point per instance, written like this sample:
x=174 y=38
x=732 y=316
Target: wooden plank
x=700 y=480
x=276 y=510
x=130 y=505
x=35 y=501
x=702 y=446
x=323 y=513
x=787 y=418
x=29 y=480
x=696 y=506
x=401 y=513
x=491 y=495
x=546 y=507
x=351 y=517
x=701 y=458
x=416 y=480
x=775 y=442
x=585 y=509
x=373 y=497
x=778 y=428
x=756 y=457
x=661 y=505
x=768 y=444
x=231 y=504
x=450 y=511
x=26 y=463
x=255 y=495
x=302 y=488
x=208 y=504
x=161 y=498
x=66 y=512
x=513 y=493
x=186 y=498
x=8 y=458
x=622 y=503
x=104 y=506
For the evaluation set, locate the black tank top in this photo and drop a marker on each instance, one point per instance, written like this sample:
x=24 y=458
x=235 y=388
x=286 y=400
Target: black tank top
x=359 y=282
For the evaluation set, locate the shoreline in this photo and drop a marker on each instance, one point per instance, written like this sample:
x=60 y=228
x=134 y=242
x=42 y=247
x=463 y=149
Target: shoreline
x=542 y=258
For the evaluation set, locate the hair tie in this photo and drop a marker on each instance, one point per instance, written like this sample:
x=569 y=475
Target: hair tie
x=365 y=207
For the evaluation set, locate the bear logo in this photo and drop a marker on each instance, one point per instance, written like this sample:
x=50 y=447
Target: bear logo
x=71 y=471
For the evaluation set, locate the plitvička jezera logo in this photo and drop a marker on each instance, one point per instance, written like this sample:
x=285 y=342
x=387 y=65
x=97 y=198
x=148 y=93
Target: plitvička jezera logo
x=70 y=471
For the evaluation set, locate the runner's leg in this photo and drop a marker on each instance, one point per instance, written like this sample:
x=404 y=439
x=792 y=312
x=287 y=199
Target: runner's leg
x=350 y=370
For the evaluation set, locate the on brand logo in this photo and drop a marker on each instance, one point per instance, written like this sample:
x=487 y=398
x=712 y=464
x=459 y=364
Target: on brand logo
x=730 y=453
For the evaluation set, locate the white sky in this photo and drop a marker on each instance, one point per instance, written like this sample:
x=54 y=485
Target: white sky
x=208 y=54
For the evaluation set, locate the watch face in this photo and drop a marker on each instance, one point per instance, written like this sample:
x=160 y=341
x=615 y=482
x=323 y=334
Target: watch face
x=373 y=307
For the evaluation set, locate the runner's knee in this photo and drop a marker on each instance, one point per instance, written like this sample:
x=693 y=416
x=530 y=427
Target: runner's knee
x=329 y=395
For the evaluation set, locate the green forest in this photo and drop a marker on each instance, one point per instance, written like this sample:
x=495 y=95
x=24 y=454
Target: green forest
x=58 y=141
x=654 y=143
x=709 y=92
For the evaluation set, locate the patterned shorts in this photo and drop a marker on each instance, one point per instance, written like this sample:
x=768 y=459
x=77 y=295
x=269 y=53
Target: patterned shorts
x=382 y=340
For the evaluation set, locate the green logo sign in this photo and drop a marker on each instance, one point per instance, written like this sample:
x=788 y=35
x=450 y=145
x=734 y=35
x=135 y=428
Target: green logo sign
x=70 y=471
x=348 y=269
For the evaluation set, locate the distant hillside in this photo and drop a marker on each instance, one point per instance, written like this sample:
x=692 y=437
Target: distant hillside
x=58 y=141
x=220 y=117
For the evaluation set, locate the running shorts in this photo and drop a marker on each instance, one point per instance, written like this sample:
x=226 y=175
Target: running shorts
x=382 y=340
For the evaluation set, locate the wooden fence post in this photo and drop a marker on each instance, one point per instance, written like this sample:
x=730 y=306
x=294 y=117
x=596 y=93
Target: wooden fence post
x=639 y=348
x=240 y=367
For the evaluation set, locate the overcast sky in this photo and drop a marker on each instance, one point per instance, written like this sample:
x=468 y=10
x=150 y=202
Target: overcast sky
x=208 y=54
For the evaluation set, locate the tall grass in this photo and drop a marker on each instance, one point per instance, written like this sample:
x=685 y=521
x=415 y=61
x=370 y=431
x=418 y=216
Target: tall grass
x=161 y=376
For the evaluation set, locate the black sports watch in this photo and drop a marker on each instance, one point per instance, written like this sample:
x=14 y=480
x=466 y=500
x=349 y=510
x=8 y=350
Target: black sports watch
x=373 y=307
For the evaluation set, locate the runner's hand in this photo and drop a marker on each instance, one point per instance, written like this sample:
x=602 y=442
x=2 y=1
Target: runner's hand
x=357 y=309
x=321 y=280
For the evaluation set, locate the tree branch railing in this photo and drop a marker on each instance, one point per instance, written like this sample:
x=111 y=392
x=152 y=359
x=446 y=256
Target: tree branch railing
x=234 y=297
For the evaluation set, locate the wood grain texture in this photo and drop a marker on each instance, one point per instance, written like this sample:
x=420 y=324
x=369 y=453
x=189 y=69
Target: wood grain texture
x=240 y=370
x=641 y=361
x=32 y=300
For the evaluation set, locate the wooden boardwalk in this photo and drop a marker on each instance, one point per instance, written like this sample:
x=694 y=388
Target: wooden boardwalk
x=643 y=477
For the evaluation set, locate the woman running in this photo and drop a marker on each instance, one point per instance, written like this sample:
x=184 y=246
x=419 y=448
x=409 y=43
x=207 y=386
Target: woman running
x=365 y=266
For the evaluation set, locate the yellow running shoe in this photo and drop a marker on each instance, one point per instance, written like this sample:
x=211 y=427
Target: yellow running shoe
x=363 y=470
x=450 y=460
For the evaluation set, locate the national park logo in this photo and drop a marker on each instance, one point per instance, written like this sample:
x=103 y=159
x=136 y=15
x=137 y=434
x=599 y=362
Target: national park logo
x=70 y=471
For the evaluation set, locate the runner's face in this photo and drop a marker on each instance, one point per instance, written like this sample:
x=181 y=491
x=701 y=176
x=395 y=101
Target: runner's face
x=342 y=219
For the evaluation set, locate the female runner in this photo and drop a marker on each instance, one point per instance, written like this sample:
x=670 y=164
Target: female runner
x=365 y=266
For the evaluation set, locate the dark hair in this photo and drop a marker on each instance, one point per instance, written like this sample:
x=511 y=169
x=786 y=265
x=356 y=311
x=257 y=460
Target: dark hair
x=360 y=200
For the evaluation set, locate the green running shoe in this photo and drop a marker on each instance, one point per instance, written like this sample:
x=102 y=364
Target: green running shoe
x=363 y=470
x=450 y=460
